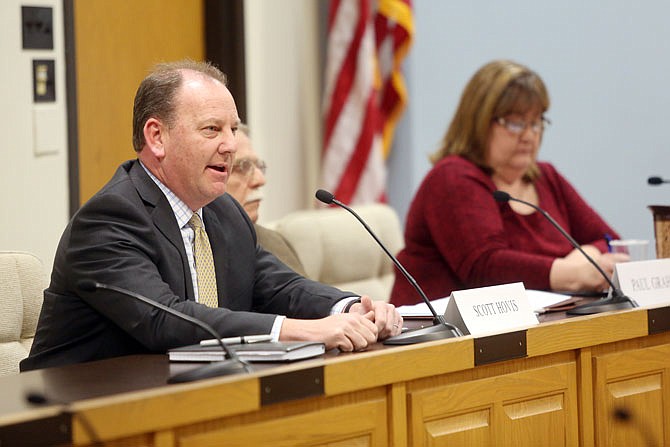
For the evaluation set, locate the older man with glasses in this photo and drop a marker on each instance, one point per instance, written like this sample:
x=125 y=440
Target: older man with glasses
x=245 y=184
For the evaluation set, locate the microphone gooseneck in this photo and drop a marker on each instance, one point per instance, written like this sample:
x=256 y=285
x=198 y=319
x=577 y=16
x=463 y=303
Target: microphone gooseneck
x=232 y=365
x=441 y=328
x=616 y=302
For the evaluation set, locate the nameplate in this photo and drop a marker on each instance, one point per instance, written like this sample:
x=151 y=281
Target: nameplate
x=492 y=309
x=647 y=282
x=292 y=385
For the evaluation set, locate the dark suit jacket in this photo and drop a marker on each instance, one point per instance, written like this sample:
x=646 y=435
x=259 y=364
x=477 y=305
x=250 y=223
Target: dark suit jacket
x=127 y=236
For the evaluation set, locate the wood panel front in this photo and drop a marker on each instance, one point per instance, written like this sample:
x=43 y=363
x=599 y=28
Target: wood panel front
x=359 y=424
x=632 y=397
x=526 y=408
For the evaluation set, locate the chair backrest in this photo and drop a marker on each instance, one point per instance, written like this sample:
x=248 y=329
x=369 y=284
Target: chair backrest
x=22 y=283
x=335 y=249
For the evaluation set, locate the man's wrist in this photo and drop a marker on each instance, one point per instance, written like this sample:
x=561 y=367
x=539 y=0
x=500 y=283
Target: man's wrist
x=350 y=304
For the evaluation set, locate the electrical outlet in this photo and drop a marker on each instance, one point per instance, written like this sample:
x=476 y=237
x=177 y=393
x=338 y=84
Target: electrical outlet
x=37 y=27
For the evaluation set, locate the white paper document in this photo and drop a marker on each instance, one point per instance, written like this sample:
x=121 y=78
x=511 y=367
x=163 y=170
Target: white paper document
x=539 y=299
x=420 y=310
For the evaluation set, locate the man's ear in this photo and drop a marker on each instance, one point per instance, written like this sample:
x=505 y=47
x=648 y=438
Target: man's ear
x=155 y=133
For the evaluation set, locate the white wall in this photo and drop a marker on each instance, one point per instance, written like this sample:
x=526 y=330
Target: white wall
x=606 y=66
x=283 y=99
x=33 y=188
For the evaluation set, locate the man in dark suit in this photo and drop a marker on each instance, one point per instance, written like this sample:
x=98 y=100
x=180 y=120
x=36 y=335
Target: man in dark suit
x=137 y=233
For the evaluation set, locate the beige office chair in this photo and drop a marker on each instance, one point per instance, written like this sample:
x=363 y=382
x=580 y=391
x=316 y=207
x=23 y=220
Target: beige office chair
x=335 y=249
x=22 y=282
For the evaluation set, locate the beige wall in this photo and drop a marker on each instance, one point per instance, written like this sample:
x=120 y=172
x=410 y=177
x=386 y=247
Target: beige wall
x=283 y=99
x=33 y=188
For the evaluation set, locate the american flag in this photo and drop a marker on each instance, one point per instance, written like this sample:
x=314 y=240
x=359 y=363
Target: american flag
x=364 y=94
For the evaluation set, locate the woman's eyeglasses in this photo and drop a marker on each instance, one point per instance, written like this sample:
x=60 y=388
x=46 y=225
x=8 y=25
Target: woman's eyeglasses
x=518 y=127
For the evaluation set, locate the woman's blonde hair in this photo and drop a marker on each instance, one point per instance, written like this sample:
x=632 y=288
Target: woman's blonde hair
x=497 y=89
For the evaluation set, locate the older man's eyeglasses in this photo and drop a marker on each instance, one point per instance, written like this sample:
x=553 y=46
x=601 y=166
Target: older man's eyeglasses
x=518 y=127
x=245 y=166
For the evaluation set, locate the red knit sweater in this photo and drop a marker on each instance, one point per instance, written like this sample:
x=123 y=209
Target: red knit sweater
x=458 y=237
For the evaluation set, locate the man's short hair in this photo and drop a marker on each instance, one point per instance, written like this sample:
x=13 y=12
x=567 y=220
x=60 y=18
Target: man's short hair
x=155 y=96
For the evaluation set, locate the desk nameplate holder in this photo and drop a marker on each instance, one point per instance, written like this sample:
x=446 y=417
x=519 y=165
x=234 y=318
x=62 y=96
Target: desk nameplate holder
x=500 y=347
x=658 y=320
x=51 y=430
x=494 y=316
x=292 y=385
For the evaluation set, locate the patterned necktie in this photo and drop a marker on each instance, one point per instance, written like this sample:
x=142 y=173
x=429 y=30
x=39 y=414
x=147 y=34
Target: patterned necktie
x=204 y=264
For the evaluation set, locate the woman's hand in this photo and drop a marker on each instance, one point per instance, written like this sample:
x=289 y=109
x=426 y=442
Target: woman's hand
x=574 y=272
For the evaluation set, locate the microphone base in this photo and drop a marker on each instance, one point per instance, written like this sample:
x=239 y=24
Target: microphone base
x=430 y=333
x=603 y=305
x=214 y=369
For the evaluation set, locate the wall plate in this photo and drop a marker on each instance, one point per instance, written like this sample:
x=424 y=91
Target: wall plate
x=37 y=28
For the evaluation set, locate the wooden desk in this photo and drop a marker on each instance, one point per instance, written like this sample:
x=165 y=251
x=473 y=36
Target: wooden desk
x=562 y=390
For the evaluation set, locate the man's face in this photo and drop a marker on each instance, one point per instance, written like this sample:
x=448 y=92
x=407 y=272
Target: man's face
x=198 y=150
x=246 y=178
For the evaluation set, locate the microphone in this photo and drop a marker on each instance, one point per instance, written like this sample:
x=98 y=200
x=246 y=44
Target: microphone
x=441 y=329
x=232 y=365
x=617 y=301
x=656 y=180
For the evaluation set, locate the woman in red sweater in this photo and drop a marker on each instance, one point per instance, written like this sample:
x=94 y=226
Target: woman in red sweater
x=457 y=236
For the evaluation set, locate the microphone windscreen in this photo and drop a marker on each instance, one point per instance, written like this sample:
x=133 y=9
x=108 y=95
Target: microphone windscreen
x=36 y=398
x=621 y=414
x=654 y=180
x=87 y=285
x=501 y=196
x=325 y=196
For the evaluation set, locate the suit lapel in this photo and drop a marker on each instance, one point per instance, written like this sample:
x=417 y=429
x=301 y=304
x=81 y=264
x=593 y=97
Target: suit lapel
x=163 y=217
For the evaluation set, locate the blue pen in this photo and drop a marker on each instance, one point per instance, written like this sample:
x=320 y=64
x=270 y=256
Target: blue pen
x=608 y=239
